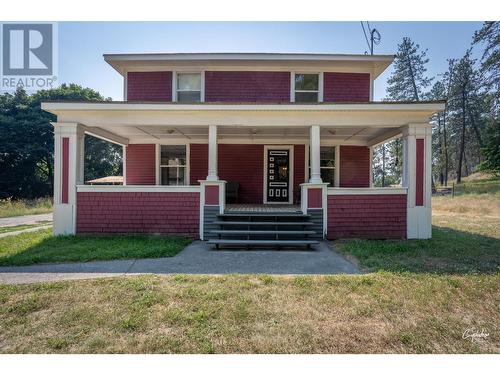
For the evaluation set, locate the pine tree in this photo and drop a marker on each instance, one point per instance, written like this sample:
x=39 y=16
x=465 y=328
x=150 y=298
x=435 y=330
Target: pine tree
x=408 y=80
x=489 y=35
x=406 y=83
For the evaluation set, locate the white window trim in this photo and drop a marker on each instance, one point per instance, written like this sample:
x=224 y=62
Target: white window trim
x=290 y=149
x=187 y=176
x=320 y=85
x=336 y=171
x=202 y=84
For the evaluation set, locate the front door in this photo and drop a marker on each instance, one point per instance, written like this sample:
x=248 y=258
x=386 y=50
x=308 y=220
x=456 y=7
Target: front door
x=278 y=175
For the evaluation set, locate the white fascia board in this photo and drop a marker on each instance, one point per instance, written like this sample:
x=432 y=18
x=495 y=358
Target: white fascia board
x=137 y=189
x=54 y=107
x=245 y=56
x=367 y=191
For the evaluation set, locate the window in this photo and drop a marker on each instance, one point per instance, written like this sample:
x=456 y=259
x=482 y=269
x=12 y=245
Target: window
x=173 y=165
x=306 y=88
x=189 y=87
x=327 y=165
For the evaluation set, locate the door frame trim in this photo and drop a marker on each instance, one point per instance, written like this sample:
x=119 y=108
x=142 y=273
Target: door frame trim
x=290 y=174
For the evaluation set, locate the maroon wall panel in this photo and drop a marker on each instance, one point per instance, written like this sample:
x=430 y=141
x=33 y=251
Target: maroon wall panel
x=65 y=170
x=237 y=163
x=212 y=195
x=314 y=198
x=141 y=164
x=354 y=166
x=346 y=87
x=198 y=162
x=366 y=216
x=128 y=212
x=247 y=86
x=419 y=188
x=149 y=86
x=298 y=170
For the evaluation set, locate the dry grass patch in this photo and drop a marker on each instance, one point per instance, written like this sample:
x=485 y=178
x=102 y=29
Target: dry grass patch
x=10 y=208
x=378 y=313
x=473 y=205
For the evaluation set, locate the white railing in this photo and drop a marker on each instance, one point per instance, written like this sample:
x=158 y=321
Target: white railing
x=367 y=191
x=137 y=189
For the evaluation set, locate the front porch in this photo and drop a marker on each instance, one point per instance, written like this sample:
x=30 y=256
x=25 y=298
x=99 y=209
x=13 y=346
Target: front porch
x=179 y=161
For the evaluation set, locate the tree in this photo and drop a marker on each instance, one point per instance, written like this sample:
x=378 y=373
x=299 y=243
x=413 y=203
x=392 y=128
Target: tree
x=489 y=35
x=27 y=141
x=407 y=82
x=462 y=100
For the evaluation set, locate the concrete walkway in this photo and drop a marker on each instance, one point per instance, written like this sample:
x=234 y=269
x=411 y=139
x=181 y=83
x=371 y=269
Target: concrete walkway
x=197 y=258
x=24 y=220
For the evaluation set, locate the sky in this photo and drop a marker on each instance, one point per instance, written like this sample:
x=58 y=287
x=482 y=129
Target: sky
x=82 y=44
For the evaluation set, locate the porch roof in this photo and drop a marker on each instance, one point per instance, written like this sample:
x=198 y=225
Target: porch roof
x=138 y=122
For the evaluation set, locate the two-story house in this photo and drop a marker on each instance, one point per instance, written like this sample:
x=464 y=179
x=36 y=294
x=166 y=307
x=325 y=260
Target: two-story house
x=248 y=147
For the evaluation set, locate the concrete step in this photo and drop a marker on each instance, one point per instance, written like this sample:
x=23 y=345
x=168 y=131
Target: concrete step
x=278 y=223
x=248 y=243
x=226 y=231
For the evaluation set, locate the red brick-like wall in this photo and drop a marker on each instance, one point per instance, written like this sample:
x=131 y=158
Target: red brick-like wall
x=149 y=86
x=141 y=164
x=298 y=170
x=367 y=216
x=247 y=86
x=65 y=170
x=128 y=212
x=237 y=163
x=419 y=178
x=346 y=87
x=354 y=166
x=243 y=164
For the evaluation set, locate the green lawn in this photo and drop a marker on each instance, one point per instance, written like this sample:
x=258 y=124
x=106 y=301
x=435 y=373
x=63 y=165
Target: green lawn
x=11 y=208
x=42 y=247
x=16 y=228
x=465 y=239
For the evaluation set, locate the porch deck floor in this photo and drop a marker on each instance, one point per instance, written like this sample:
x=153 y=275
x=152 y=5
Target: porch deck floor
x=265 y=208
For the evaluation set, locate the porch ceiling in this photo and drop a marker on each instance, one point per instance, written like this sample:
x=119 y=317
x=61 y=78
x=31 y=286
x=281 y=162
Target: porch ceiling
x=243 y=134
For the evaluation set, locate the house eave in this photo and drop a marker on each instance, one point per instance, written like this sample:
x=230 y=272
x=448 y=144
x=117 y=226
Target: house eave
x=431 y=107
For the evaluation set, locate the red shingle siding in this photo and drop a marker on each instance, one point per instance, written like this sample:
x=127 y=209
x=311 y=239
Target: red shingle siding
x=346 y=87
x=367 y=216
x=128 y=212
x=354 y=166
x=298 y=170
x=65 y=170
x=247 y=86
x=419 y=188
x=141 y=164
x=149 y=86
x=237 y=163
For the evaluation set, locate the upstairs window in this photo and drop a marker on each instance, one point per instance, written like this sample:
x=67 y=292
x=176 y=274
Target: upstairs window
x=189 y=87
x=173 y=165
x=306 y=88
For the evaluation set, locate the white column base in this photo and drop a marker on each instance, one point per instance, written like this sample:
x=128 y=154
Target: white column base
x=64 y=219
x=419 y=222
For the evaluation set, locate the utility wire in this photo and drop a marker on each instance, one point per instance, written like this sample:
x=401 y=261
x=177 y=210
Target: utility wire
x=364 y=32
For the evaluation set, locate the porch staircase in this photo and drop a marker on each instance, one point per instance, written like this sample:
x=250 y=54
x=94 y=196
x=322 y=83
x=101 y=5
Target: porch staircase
x=246 y=230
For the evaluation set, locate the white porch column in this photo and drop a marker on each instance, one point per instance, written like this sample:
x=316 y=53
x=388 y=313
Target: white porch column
x=68 y=172
x=315 y=142
x=212 y=153
x=417 y=174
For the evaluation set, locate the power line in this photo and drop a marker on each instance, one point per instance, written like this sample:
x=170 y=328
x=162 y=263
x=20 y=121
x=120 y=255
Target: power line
x=364 y=32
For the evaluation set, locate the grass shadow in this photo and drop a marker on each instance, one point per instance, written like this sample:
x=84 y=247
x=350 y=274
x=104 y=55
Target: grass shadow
x=449 y=251
x=43 y=247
